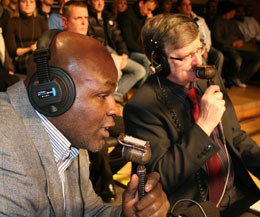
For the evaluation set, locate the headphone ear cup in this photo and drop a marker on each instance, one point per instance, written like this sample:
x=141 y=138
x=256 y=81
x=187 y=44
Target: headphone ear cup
x=165 y=65
x=52 y=98
x=160 y=64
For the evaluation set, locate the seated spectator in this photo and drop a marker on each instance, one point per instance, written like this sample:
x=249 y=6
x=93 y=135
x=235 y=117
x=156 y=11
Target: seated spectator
x=22 y=33
x=211 y=13
x=164 y=6
x=7 y=77
x=54 y=21
x=249 y=26
x=11 y=7
x=198 y=159
x=130 y=23
x=211 y=55
x=249 y=10
x=45 y=8
x=103 y=27
x=243 y=63
x=119 y=6
x=4 y=16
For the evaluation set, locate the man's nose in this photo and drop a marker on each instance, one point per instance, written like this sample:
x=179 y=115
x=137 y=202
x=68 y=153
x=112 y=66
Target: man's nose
x=113 y=109
x=197 y=59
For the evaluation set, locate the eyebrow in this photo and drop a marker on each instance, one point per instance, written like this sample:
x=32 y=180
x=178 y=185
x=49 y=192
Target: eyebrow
x=109 y=83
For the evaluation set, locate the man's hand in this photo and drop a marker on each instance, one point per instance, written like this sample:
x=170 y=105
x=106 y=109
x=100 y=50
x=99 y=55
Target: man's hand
x=33 y=47
x=154 y=203
x=124 y=61
x=212 y=107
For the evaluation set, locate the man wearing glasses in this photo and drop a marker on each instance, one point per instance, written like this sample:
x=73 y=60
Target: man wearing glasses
x=211 y=55
x=197 y=145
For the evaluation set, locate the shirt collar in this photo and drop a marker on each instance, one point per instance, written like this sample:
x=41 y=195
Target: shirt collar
x=60 y=145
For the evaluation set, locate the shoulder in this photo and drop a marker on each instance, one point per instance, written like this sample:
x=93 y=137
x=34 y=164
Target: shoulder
x=41 y=20
x=55 y=16
x=13 y=21
x=128 y=13
x=92 y=19
x=145 y=96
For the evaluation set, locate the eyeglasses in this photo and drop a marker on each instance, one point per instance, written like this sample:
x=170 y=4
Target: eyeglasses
x=190 y=56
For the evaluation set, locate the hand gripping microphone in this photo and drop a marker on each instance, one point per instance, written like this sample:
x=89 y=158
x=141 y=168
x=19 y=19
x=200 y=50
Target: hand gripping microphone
x=138 y=151
x=208 y=72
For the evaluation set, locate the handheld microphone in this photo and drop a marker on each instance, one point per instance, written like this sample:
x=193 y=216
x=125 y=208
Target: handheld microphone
x=205 y=72
x=139 y=152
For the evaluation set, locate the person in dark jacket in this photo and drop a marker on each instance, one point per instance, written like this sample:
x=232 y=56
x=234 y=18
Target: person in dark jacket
x=7 y=77
x=103 y=27
x=130 y=23
x=190 y=149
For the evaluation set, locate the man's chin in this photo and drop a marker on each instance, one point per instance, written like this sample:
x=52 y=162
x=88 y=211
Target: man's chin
x=96 y=146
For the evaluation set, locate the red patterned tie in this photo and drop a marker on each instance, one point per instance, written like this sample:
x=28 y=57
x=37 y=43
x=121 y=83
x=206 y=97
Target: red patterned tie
x=195 y=103
x=216 y=183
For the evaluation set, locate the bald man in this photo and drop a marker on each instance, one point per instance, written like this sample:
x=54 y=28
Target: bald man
x=44 y=165
x=75 y=19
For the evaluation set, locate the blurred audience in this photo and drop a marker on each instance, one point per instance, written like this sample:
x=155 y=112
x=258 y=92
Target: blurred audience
x=164 y=6
x=243 y=62
x=211 y=13
x=119 y=6
x=22 y=33
x=7 y=77
x=103 y=27
x=130 y=23
x=11 y=7
x=2 y=14
x=54 y=21
x=249 y=26
x=45 y=8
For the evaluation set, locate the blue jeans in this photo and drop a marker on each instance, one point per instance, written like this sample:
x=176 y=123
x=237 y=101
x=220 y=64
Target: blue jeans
x=242 y=64
x=216 y=58
x=128 y=77
x=145 y=62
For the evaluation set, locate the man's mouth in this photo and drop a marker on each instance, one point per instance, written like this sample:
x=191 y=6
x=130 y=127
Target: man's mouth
x=105 y=132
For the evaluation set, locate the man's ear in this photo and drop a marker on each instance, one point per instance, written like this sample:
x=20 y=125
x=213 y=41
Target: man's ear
x=141 y=3
x=64 y=22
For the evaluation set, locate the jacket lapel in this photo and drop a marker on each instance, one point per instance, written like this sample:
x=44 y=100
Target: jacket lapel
x=20 y=101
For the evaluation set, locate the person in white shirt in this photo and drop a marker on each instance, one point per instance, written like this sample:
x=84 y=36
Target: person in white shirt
x=249 y=26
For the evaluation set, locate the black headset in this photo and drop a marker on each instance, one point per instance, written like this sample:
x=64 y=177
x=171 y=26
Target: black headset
x=159 y=59
x=51 y=90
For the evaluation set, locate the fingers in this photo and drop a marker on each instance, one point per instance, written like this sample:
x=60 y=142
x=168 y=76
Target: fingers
x=152 y=180
x=154 y=203
x=212 y=89
x=131 y=188
x=130 y=197
x=212 y=107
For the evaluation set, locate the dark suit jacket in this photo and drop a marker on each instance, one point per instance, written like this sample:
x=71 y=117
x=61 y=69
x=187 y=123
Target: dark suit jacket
x=181 y=148
x=29 y=181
